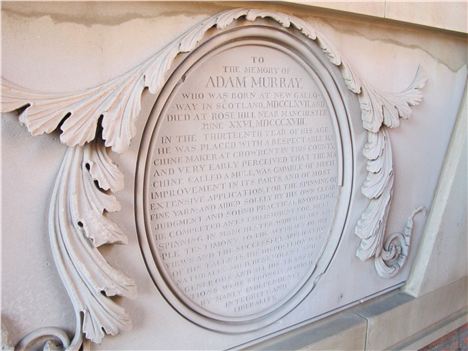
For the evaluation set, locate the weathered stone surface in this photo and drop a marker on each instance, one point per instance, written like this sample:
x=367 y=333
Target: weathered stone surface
x=76 y=48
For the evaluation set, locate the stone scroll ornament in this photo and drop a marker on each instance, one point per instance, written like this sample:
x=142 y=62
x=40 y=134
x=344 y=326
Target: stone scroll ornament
x=87 y=179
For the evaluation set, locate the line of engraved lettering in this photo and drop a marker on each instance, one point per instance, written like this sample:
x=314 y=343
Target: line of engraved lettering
x=165 y=204
x=226 y=110
x=267 y=123
x=232 y=135
x=168 y=139
x=166 y=159
x=255 y=82
x=260 y=70
x=191 y=190
x=177 y=223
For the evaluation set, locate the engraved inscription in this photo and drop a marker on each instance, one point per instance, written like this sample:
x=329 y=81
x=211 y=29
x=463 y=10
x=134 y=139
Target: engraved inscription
x=243 y=183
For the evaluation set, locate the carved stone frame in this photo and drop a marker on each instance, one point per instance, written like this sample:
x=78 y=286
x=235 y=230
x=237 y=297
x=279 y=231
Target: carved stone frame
x=87 y=177
x=264 y=34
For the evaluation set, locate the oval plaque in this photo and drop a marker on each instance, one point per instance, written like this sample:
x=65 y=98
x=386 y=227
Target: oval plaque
x=242 y=187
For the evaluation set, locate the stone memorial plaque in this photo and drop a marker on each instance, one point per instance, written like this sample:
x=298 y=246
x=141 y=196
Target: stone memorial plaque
x=243 y=185
x=276 y=180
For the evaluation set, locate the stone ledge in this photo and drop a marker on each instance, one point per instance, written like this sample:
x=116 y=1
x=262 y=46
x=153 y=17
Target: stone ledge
x=394 y=321
x=439 y=330
x=343 y=331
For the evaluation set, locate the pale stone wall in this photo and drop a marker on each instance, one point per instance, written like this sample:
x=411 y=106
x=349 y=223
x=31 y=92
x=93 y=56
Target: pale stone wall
x=449 y=15
x=442 y=255
x=72 y=46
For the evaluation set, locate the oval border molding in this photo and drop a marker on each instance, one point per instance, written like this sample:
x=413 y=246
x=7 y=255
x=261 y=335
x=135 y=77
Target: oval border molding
x=275 y=37
x=77 y=216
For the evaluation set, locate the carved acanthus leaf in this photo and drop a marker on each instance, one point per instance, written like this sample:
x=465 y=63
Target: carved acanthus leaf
x=118 y=101
x=329 y=50
x=155 y=72
x=77 y=225
x=387 y=108
x=380 y=111
x=378 y=151
x=118 y=122
x=282 y=18
x=378 y=189
x=226 y=18
x=102 y=169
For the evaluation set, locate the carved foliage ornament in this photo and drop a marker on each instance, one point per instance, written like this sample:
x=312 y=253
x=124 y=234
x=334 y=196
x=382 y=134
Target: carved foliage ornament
x=87 y=178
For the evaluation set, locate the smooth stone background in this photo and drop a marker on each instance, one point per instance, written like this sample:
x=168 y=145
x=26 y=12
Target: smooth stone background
x=67 y=47
x=448 y=15
x=442 y=258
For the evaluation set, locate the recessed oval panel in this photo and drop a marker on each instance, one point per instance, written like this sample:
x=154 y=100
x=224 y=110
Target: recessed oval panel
x=244 y=186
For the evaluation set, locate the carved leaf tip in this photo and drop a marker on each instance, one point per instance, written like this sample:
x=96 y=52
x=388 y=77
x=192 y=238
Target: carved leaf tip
x=226 y=18
x=304 y=27
x=387 y=108
x=281 y=18
x=112 y=321
x=412 y=96
x=190 y=39
x=329 y=50
x=77 y=130
x=118 y=121
x=371 y=227
x=155 y=72
x=119 y=284
x=11 y=96
x=103 y=231
x=352 y=81
x=39 y=111
x=102 y=168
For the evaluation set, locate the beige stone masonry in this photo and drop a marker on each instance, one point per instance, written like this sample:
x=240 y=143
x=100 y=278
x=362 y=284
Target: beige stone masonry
x=394 y=321
x=441 y=257
x=448 y=15
x=398 y=317
x=344 y=331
